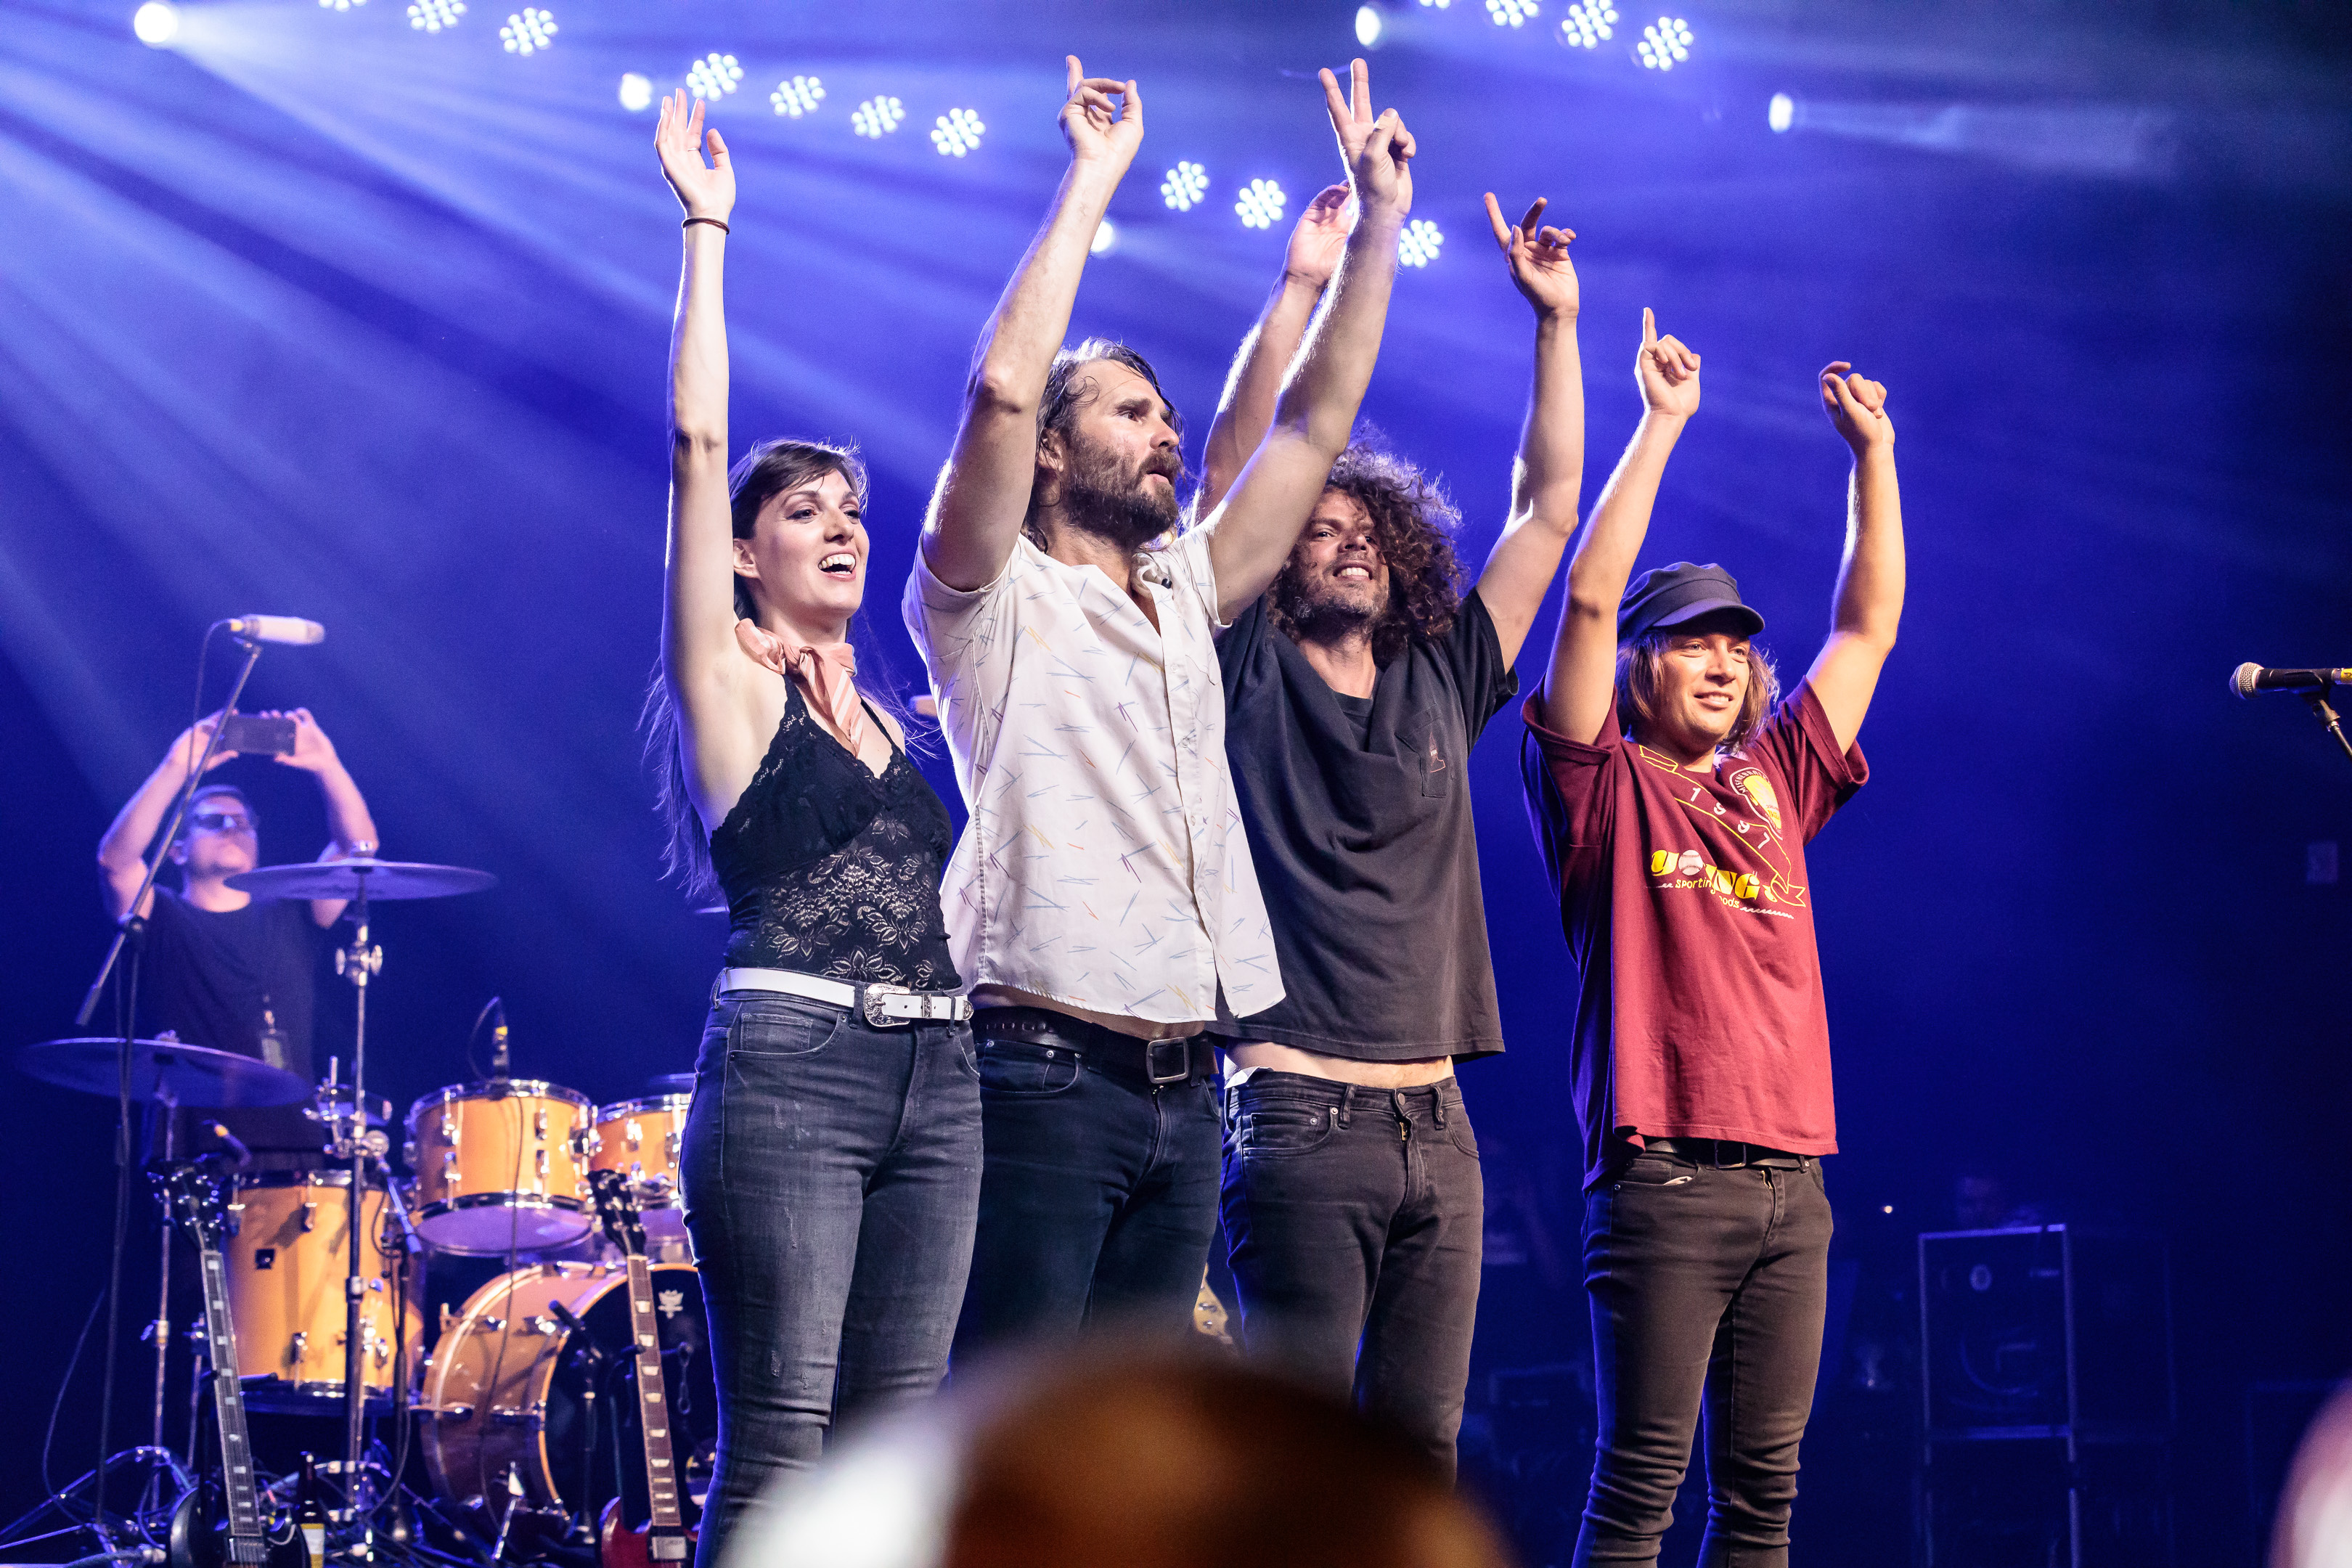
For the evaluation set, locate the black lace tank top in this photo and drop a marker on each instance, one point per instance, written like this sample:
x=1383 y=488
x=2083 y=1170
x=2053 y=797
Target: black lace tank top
x=832 y=870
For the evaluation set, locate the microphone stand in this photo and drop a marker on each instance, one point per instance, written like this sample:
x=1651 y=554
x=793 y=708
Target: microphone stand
x=131 y=928
x=2329 y=719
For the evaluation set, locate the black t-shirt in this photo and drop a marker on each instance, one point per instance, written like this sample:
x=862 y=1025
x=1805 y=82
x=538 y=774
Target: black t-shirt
x=1360 y=828
x=209 y=975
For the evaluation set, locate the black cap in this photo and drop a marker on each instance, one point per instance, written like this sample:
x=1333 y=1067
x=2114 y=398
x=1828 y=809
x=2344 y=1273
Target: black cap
x=1669 y=595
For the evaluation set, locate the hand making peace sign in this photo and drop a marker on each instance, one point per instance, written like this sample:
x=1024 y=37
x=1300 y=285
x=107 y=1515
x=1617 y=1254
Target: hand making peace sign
x=1378 y=151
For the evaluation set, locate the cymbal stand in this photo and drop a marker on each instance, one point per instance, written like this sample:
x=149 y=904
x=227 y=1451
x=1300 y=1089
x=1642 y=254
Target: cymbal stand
x=357 y=964
x=2329 y=719
x=166 y=1108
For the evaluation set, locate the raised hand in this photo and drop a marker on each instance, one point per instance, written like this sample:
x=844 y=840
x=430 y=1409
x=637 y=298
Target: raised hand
x=1537 y=256
x=1319 y=236
x=1667 y=371
x=312 y=752
x=1097 y=130
x=191 y=745
x=1377 y=151
x=1857 y=406
x=704 y=190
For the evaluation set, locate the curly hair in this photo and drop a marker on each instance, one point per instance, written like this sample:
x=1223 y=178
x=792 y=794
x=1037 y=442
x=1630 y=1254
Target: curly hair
x=1414 y=523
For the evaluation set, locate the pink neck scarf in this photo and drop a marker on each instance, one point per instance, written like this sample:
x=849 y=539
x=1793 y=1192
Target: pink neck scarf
x=827 y=674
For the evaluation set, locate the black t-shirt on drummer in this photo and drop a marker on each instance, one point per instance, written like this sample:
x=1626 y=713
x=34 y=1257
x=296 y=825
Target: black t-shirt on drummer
x=218 y=978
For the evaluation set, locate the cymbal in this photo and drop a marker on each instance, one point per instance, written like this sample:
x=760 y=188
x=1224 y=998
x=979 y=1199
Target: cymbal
x=348 y=878
x=713 y=910
x=671 y=1083
x=188 y=1075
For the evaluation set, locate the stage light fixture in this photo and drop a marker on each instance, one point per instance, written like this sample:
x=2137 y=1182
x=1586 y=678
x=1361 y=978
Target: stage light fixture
x=339 y=4
x=155 y=24
x=797 y=96
x=434 y=16
x=528 y=31
x=1186 y=183
x=1106 y=239
x=1261 y=203
x=1417 y=245
x=636 y=91
x=1783 y=113
x=877 y=117
x=1436 y=5
x=1369 y=22
x=1587 y=25
x=714 y=76
x=957 y=132
x=1666 y=44
x=1511 y=13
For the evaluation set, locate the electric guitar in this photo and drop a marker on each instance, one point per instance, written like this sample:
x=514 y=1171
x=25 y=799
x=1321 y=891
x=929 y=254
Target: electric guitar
x=220 y=1524
x=664 y=1539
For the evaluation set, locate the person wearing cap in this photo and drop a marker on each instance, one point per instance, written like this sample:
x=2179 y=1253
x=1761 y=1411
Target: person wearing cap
x=1674 y=794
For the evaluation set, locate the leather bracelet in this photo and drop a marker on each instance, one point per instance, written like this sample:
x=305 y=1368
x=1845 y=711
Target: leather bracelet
x=712 y=221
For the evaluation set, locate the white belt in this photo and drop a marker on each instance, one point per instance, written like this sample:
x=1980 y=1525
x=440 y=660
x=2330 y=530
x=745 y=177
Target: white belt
x=879 y=1005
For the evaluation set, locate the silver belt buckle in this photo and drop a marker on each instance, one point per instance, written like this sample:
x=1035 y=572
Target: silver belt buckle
x=930 y=1006
x=872 y=997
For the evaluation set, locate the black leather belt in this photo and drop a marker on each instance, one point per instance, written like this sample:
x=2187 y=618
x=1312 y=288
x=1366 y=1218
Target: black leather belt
x=1725 y=1153
x=1157 y=1062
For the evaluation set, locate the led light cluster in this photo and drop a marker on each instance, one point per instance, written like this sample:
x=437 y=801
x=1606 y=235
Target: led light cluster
x=714 y=76
x=432 y=15
x=797 y=96
x=528 y=31
x=1511 y=13
x=339 y=4
x=877 y=117
x=1417 y=245
x=1587 y=24
x=1186 y=183
x=1666 y=44
x=636 y=91
x=1261 y=203
x=957 y=132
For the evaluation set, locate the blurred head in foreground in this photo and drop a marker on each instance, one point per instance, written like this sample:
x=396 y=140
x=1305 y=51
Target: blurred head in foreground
x=2313 y=1527
x=1122 y=1459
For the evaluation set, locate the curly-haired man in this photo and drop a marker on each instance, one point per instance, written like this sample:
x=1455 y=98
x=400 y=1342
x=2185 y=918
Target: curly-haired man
x=1354 y=690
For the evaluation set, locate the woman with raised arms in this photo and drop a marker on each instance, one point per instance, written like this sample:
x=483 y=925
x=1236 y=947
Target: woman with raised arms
x=831 y=1159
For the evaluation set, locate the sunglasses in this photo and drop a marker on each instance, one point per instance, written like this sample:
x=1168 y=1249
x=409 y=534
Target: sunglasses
x=222 y=822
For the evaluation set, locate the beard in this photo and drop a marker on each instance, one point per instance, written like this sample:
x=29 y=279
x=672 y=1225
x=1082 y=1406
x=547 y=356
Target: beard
x=1107 y=497
x=1322 y=611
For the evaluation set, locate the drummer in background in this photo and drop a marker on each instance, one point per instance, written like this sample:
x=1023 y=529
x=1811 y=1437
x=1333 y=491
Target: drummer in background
x=220 y=967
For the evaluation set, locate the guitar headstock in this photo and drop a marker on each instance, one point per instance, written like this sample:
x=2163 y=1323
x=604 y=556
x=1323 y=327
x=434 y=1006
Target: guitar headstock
x=617 y=1206
x=194 y=1197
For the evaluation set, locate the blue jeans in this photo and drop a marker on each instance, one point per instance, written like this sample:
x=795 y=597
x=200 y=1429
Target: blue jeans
x=1098 y=1199
x=831 y=1172
x=1708 y=1289
x=1355 y=1218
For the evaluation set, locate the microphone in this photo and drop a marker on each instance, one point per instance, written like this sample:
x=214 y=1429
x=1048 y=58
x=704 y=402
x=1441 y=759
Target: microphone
x=235 y=1145
x=276 y=629
x=499 y=1061
x=2251 y=677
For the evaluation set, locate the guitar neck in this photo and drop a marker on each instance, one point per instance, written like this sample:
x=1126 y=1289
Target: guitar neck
x=246 y=1542
x=653 y=1406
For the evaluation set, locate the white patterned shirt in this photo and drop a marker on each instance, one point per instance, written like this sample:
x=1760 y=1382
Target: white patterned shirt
x=1103 y=866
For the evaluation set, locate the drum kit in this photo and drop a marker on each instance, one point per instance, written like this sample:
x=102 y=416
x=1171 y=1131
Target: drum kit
x=327 y=1317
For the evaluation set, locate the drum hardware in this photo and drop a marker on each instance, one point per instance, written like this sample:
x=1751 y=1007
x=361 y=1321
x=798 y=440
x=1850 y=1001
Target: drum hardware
x=498 y=1167
x=641 y=1139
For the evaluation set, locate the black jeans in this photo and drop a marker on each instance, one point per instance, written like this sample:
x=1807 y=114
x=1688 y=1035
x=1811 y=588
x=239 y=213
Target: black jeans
x=1354 y=1216
x=832 y=1174
x=1708 y=1289
x=1097 y=1199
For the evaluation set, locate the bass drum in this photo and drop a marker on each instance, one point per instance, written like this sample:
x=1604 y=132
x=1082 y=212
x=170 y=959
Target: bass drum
x=514 y=1389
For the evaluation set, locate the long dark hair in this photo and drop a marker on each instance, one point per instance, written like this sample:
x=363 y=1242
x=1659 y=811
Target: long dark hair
x=1413 y=522
x=769 y=469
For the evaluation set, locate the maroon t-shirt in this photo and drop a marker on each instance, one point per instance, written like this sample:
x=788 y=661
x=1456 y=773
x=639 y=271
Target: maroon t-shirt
x=1684 y=896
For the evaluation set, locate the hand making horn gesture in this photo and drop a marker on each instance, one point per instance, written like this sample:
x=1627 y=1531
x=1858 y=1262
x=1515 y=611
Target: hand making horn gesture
x=1378 y=151
x=1097 y=130
x=1538 y=255
x=1667 y=371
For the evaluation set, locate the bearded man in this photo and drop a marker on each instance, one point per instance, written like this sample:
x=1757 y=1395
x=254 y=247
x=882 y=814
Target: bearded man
x=1102 y=901
x=1352 y=1196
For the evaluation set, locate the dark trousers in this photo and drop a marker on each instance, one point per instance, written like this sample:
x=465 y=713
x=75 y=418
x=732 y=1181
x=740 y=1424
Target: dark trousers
x=1099 y=1196
x=832 y=1174
x=1708 y=1289
x=1355 y=1216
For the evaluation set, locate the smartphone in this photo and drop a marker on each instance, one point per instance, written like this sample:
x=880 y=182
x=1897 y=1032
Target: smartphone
x=252 y=733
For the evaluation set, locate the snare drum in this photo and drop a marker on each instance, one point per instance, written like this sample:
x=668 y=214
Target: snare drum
x=640 y=1138
x=287 y=1264
x=501 y=1167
